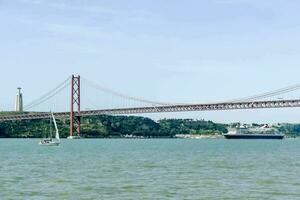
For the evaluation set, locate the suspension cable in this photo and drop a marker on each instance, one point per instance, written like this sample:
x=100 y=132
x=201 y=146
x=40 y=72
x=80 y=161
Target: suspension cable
x=48 y=95
x=270 y=94
x=106 y=90
x=66 y=83
x=250 y=98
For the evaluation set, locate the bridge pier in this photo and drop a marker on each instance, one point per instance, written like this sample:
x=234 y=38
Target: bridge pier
x=75 y=118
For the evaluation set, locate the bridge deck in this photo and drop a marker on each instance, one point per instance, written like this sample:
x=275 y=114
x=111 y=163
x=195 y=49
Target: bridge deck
x=168 y=108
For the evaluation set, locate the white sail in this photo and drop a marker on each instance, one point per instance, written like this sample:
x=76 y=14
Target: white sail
x=56 y=129
x=49 y=141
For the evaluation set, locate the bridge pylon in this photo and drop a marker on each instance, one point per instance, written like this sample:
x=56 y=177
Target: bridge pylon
x=75 y=118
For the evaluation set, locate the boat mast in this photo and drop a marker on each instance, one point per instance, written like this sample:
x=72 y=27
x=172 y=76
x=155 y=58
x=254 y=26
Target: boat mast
x=50 y=136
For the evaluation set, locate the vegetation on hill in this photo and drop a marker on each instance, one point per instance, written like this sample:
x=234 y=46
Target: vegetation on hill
x=292 y=130
x=107 y=126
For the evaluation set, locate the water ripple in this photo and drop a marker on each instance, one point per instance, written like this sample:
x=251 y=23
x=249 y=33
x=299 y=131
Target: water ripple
x=150 y=169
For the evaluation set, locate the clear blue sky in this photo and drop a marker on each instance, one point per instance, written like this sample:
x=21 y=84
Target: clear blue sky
x=165 y=50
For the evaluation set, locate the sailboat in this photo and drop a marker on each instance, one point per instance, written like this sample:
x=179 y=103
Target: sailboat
x=51 y=141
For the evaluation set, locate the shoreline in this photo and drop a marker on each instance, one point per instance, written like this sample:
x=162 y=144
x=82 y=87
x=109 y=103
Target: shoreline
x=196 y=136
x=177 y=136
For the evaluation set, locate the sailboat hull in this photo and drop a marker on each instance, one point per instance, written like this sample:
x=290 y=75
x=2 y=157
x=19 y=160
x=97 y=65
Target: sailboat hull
x=49 y=143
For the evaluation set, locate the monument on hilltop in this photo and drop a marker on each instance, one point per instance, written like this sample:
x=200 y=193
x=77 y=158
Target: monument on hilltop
x=19 y=101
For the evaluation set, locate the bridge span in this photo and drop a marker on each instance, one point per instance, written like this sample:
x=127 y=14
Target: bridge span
x=161 y=109
x=75 y=113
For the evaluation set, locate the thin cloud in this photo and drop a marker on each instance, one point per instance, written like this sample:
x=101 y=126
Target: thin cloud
x=129 y=14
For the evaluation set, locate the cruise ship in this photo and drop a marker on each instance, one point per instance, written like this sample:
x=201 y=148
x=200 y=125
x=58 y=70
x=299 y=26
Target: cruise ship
x=264 y=132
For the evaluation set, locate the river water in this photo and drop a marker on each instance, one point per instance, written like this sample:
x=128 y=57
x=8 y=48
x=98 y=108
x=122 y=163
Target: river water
x=150 y=169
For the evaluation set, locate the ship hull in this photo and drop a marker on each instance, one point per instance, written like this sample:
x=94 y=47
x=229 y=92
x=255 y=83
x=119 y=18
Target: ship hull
x=254 y=136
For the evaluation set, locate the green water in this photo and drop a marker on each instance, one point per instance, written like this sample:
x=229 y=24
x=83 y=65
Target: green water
x=150 y=169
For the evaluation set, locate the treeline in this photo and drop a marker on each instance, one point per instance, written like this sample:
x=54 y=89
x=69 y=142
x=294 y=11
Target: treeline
x=106 y=126
x=292 y=130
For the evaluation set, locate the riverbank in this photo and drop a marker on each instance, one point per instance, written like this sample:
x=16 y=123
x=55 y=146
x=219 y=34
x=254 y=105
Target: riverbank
x=195 y=136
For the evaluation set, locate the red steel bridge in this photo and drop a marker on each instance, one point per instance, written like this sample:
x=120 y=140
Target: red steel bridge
x=76 y=113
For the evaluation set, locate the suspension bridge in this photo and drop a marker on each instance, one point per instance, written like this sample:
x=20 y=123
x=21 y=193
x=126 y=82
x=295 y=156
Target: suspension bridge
x=74 y=85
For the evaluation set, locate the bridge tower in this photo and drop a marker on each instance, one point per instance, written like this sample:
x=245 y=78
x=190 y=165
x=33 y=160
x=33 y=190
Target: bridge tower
x=75 y=117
